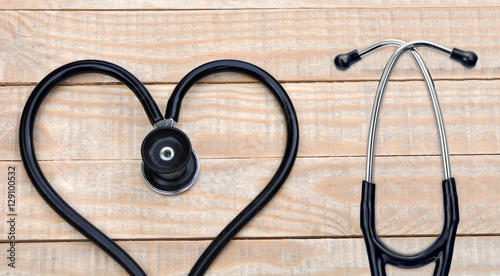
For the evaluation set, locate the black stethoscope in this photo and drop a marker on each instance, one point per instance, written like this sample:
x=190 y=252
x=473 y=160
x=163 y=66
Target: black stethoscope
x=441 y=251
x=170 y=165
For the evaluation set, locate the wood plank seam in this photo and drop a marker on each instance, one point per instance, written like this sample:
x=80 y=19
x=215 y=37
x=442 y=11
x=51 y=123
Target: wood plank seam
x=215 y=82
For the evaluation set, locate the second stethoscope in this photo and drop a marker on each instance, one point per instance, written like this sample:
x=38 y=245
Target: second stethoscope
x=441 y=251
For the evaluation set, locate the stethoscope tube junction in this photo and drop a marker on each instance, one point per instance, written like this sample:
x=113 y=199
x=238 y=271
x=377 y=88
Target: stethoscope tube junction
x=170 y=164
x=441 y=251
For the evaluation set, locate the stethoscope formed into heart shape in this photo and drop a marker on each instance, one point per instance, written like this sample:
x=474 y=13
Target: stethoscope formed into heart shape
x=170 y=165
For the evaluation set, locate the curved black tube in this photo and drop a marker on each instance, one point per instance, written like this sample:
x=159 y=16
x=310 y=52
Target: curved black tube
x=173 y=109
x=440 y=251
x=33 y=168
x=94 y=66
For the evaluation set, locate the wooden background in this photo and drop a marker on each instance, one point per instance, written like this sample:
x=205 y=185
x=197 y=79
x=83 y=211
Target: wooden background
x=89 y=131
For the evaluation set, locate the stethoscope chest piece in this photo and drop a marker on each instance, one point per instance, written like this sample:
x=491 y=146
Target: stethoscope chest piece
x=170 y=166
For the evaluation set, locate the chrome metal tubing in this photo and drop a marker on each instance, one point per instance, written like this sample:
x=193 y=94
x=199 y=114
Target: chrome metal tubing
x=410 y=46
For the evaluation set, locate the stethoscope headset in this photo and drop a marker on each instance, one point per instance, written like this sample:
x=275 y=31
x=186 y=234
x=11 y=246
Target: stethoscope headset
x=170 y=165
x=441 y=251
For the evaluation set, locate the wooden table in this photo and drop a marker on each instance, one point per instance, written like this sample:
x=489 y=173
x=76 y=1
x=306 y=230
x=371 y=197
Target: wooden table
x=90 y=129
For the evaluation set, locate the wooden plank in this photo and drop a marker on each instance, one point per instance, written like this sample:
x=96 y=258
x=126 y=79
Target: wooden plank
x=293 y=45
x=239 y=4
x=320 y=199
x=473 y=256
x=244 y=120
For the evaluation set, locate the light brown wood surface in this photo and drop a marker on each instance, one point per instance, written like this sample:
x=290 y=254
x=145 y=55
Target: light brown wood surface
x=228 y=4
x=473 y=256
x=321 y=198
x=293 y=45
x=243 y=120
x=89 y=132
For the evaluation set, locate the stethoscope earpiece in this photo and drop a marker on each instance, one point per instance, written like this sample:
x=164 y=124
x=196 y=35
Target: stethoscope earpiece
x=467 y=58
x=344 y=61
x=170 y=166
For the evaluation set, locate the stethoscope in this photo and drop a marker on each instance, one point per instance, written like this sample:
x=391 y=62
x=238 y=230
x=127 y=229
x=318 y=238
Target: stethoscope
x=441 y=251
x=170 y=165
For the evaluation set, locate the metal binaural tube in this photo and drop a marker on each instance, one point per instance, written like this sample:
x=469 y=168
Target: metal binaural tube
x=381 y=89
x=397 y=43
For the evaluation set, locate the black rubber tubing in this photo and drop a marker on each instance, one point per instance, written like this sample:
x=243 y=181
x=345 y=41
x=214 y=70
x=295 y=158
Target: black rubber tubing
x=34 y=171
x=440 y=252
x=292 y=144
x=94 y=66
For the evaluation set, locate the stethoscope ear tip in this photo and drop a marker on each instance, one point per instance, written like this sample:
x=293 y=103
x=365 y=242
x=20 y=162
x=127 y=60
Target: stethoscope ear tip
x=344 y=61
x=466 y=58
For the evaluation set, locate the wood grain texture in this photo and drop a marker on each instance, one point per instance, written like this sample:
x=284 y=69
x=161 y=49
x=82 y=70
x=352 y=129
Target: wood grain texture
x=321 y=198
x=221 y=5
x=293 y=45
x=88 y=136
x=244 y=120
x=473 y=256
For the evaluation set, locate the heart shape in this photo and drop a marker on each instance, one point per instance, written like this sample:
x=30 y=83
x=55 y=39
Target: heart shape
x=155 y=117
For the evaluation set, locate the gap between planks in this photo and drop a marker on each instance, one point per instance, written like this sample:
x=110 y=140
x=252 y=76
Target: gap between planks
x=250 y=238
x=78 y=83
x=341 y=7
x=271 y=157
